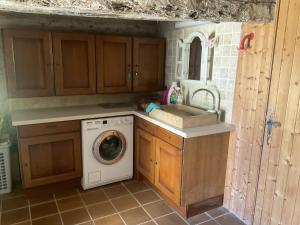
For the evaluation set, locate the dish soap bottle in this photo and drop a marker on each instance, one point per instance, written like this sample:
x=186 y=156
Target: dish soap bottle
x=173 y=94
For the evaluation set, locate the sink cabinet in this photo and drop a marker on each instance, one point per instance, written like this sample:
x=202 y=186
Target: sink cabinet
x=49 y=152
x=190 y=172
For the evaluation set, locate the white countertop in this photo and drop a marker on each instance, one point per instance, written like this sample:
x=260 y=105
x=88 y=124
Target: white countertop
x=36 y=116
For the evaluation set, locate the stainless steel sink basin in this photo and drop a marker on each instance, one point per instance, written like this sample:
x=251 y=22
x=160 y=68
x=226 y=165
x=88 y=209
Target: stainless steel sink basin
x=183 y=116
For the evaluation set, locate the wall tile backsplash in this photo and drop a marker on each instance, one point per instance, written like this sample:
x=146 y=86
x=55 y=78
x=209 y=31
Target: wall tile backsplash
x=224 y=62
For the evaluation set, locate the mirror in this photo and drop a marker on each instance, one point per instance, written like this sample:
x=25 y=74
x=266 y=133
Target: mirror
x=194 y=57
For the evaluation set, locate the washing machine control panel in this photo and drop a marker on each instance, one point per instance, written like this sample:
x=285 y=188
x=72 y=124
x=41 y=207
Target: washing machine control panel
x=107 y=122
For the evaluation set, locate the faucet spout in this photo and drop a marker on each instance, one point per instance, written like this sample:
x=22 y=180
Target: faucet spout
x=216 y=106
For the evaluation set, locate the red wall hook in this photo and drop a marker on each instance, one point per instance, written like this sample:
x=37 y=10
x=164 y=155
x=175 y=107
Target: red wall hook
x=246 y=41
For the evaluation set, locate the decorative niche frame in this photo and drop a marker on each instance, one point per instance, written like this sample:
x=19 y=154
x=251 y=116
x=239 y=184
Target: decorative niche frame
x=183 y=56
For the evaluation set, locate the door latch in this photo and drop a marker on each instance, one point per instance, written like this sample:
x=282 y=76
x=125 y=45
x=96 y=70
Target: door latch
x=270 y=125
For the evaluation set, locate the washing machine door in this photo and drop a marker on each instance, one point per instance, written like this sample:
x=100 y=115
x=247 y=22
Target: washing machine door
x=109 y=147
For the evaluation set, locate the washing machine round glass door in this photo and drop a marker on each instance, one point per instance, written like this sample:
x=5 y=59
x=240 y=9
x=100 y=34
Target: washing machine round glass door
x=109 y=147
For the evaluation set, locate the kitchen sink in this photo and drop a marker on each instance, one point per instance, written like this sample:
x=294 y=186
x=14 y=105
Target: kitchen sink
x=183 y=116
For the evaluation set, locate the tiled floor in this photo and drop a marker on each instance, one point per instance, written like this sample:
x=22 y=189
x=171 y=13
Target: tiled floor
x=126 y=203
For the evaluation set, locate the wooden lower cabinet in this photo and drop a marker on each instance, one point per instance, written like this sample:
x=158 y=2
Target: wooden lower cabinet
x=189 y=172
x=168 y=170
x=145 y=157
x=50 y=158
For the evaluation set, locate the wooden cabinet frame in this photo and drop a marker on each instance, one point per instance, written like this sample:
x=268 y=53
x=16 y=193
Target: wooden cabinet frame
x=26 y=169
x=100 y=57
x=47 y=87
x=58 y=63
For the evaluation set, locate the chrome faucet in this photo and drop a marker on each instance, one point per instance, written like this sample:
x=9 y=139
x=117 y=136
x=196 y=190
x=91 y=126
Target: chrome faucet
x=216 y=106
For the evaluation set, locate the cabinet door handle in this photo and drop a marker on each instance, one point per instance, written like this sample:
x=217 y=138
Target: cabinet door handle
x=136 y=70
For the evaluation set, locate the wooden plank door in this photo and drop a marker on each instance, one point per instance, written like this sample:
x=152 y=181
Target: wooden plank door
x=278 y=200
x=168 y=170
x=145 y=153
x=148 y=64
x=50 y=158
x=74 y=60
x=114 y=69
x=28 y=59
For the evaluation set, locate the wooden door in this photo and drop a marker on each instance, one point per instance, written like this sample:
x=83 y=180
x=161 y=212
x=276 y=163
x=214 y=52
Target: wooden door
x=114 y=69
x=145 y=153
x=168 y=170
x=278 y=200
x=74 y=60
x=28 y=60
x=51 y=158
x=148 y=64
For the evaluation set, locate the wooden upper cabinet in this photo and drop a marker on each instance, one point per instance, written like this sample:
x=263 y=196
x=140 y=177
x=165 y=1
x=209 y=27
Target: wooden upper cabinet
x=74 y=63
x=148 y=64
x=145 y=153
x=114 y=69
x=168 y=170
x=28 y=59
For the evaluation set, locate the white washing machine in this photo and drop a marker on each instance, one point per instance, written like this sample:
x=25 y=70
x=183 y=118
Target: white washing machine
x=107 y=150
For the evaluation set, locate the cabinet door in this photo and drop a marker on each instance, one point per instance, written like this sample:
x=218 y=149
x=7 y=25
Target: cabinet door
x=114 y=69
x=28 y=59
x=148 y=64
x=145 y=154
x=168 y=170
x=74 y=63
x=51 y=158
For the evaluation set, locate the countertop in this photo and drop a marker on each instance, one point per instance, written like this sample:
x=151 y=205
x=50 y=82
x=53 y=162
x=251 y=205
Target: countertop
x=48 y=115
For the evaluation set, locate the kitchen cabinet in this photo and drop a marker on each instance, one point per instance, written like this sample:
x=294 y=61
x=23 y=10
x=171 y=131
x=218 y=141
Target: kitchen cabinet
x=49 y=152
x=28 y=63
x=148 y=64
x=74 y=63
x=114 y=69
x=168 y=169
x=190 y=172
x=41 y=63
x=145 y=157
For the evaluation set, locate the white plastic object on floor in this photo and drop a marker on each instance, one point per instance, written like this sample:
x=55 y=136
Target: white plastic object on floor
x=5 y=173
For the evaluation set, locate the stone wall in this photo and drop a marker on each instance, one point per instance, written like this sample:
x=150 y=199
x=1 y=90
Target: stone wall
x=212 y=10
x=224 y=62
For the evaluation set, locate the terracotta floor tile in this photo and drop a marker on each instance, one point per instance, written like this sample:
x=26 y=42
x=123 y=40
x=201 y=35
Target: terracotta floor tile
x=94 y=197
x=36 y=198
x=75 y=216
x=43 y=210
x=146 y=197
x=198 y=219
x=124 y=203
x=64 y=193
x=136 y=186
x=135 y=216
x=49 y=220
x=229 y=219
x=14 y=203
x=116 y=191
x=100 y=210
x=15 y=216
x=110 y=220
x=87 y=223
x=149 y=223
x=217 y=212
x=157 y=209
x=170 y=220
x=14 y=194
x=210 y=222
x=69 y=203
x=24 y=223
